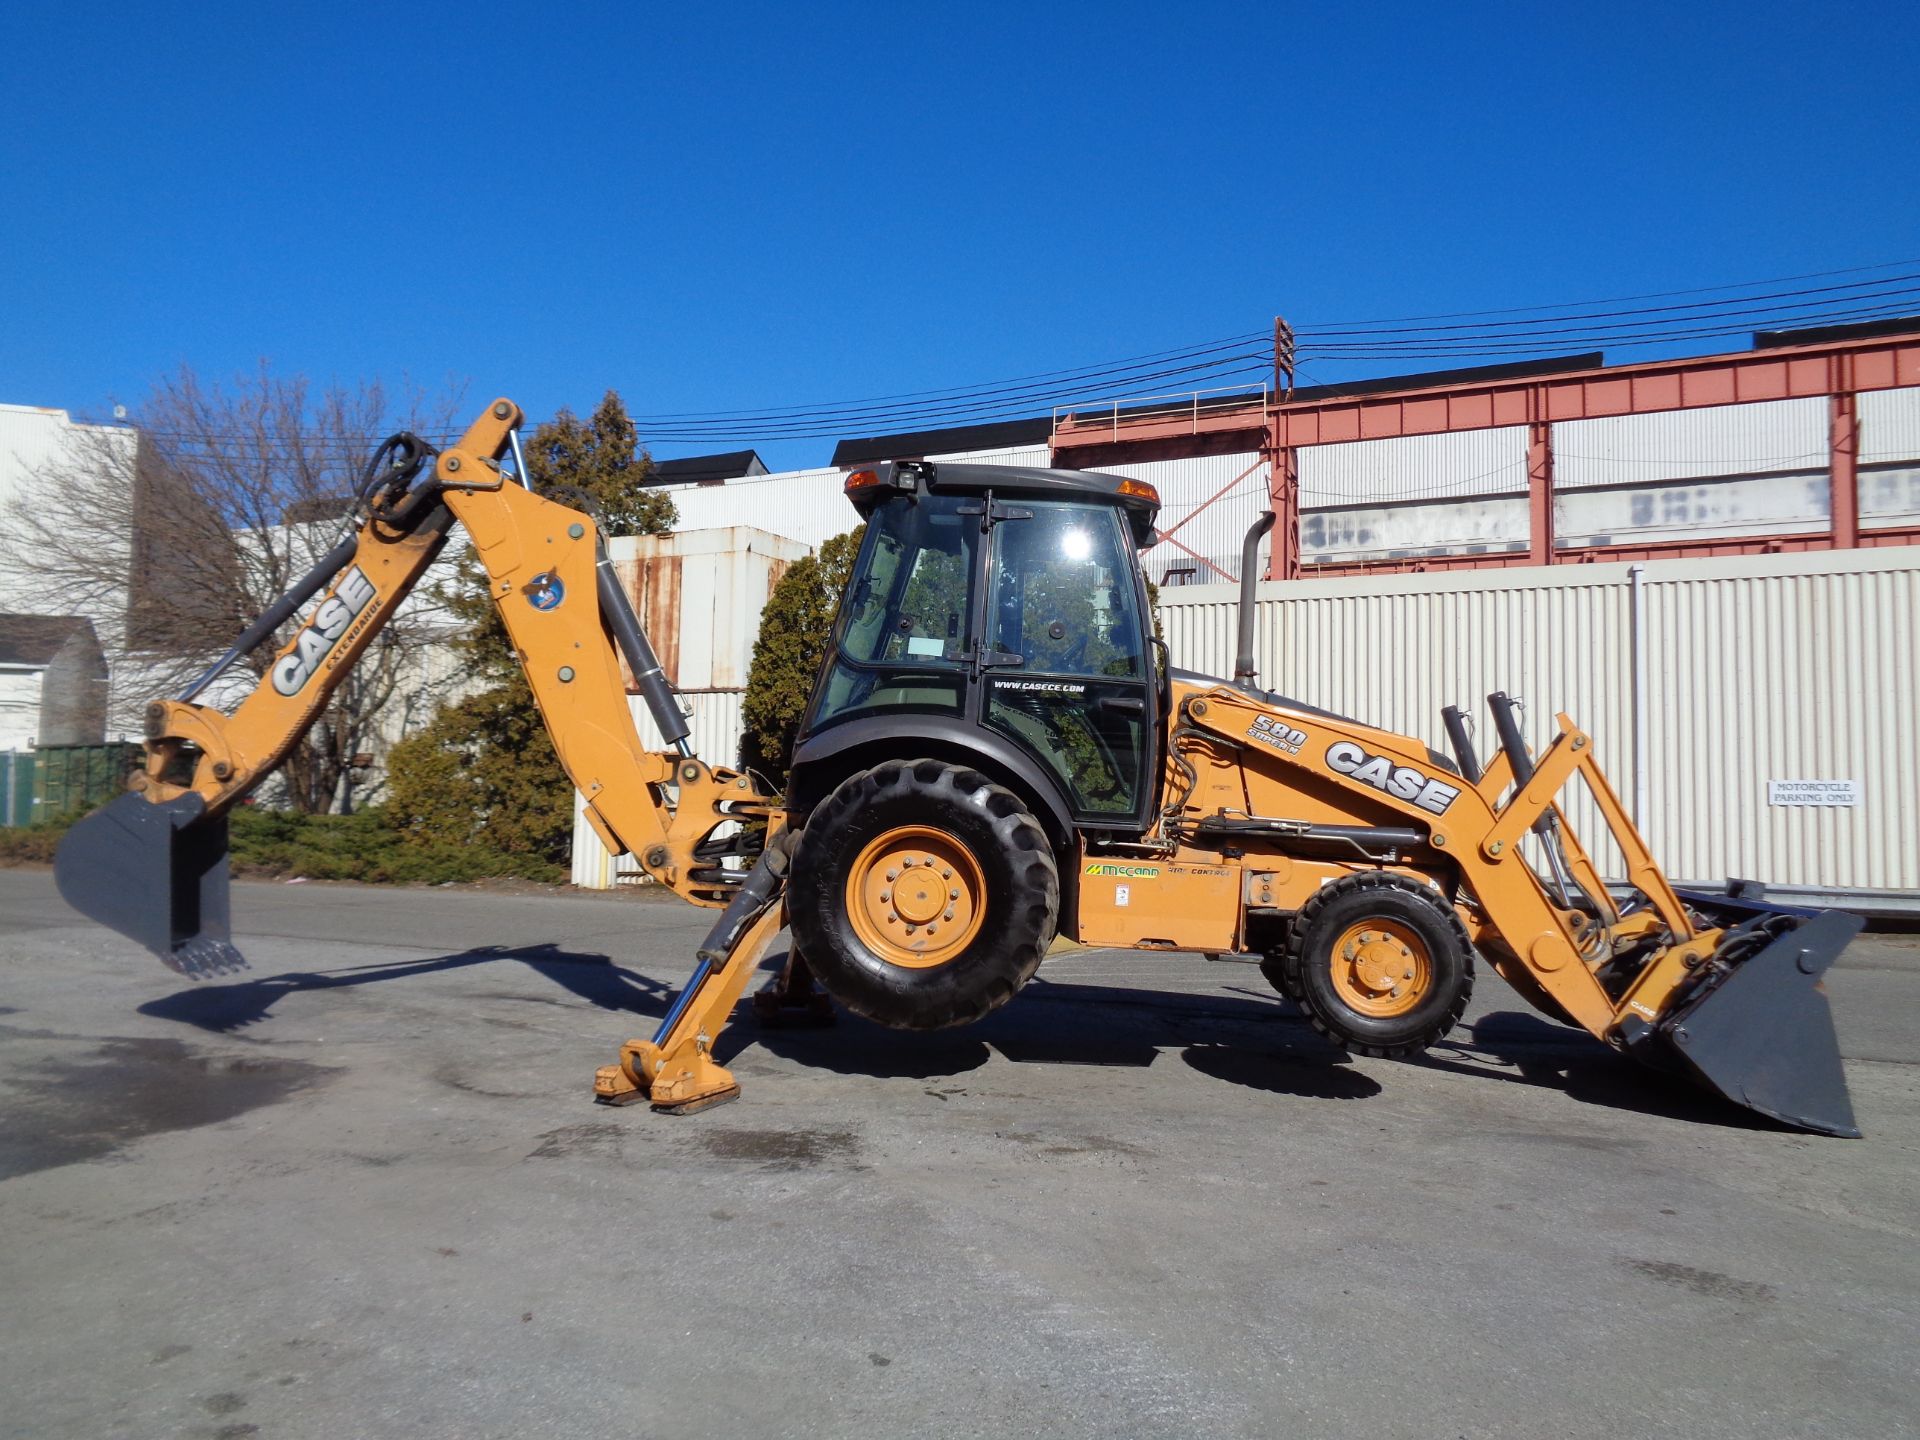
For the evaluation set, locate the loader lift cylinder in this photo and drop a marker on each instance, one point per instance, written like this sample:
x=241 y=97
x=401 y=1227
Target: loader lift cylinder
x=1547 y=826
x=1455 y=719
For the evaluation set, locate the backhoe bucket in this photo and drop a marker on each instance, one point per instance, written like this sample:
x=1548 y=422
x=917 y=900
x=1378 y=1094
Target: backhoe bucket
x=157 y=873
x=1763 y=1037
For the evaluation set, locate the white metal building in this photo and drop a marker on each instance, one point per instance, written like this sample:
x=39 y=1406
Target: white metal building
x=1739 y=678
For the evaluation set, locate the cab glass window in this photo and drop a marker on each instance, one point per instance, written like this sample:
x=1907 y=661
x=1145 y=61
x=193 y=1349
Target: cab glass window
x=903 y=632
x=1064 y=598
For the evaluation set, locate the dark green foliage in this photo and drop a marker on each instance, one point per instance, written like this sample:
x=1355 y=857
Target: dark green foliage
x=601 y=455
x=483 y=771
x=366 y=846
x=795 y=630
x=34 y=844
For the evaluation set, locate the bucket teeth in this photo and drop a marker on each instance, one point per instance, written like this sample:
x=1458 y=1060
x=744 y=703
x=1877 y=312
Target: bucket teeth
x=202 y=959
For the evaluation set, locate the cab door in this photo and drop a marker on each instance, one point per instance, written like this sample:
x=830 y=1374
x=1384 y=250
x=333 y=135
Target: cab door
x=1067 y=669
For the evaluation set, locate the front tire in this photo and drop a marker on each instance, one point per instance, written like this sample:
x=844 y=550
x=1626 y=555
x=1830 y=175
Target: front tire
x=923 y=895
x=1379 y=963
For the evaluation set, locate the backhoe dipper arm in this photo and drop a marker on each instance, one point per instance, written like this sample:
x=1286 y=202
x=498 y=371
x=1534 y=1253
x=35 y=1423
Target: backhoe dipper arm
x=569 y=622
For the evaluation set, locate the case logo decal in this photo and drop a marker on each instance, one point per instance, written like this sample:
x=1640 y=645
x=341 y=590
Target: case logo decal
x=1403 y=782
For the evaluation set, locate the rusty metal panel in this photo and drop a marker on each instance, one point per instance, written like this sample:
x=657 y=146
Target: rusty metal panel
x=1760 y=668
x=699 y=595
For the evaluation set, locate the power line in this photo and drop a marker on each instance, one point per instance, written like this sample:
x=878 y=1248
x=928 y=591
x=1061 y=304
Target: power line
x=1629 y=299
x=1616 y=323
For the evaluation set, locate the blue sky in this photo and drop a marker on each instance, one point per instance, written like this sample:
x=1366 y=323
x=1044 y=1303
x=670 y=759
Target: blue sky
x=756 y=205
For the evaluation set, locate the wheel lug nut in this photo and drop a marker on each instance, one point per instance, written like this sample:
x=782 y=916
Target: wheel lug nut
x=1407 y=976
x=893 y=874
x=953 y=894
x=946 y=874
x=912 y=928
x=885 y=896
x=948 y=915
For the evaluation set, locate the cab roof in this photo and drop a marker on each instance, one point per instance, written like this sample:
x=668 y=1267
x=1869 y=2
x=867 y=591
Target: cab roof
x=1139 y=501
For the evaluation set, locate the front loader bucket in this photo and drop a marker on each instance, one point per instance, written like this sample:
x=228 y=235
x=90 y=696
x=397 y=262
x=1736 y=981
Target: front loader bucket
x=157 y=873
x=1763 y=1037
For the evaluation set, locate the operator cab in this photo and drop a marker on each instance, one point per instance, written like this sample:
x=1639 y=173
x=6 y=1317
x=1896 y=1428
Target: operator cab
x=1000 y=609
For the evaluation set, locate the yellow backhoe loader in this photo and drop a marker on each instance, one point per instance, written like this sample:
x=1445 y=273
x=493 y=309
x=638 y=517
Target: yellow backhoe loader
x=998 y=751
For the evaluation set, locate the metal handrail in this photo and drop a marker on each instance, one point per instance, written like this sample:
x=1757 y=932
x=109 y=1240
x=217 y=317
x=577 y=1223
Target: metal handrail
x=1134 y=406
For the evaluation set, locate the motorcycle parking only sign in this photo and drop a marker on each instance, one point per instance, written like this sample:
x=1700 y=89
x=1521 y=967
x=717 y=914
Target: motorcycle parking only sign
x=1813 y=792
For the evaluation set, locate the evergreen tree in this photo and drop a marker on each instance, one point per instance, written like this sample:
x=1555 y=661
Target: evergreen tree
x=795 y=630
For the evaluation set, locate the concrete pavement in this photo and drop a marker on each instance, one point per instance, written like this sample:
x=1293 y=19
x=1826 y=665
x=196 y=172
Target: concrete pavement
x=361 y=1191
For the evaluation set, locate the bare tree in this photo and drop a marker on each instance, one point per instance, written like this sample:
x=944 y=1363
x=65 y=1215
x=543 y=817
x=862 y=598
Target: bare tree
x=173 y=533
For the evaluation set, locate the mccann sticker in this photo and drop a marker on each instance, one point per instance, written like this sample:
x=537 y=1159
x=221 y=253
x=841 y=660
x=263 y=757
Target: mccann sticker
x=1125 y=872
x=1403 y=782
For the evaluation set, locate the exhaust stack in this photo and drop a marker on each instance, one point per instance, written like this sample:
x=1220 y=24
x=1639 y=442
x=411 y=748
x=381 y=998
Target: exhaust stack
x=1243 y=667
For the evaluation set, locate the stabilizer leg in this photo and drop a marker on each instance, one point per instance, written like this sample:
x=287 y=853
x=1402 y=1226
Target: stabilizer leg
x=675 y=1070
x=793 y=999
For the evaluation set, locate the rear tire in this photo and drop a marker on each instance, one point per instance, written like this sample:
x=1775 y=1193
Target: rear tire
x=1379 y=963
x=923 y=895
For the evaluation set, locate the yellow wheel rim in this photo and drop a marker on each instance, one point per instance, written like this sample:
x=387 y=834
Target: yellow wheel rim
x=916 y=897
x=1381 y=968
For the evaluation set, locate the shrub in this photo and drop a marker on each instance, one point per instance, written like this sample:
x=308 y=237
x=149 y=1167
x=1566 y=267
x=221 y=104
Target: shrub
x=794 y=631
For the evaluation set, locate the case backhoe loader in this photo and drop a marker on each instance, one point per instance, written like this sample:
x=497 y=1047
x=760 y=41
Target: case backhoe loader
x=998 y=752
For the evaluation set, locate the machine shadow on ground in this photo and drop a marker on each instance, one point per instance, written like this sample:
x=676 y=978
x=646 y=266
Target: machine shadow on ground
x=1517 y=1047
x=1240 y=1038
x=593 y=978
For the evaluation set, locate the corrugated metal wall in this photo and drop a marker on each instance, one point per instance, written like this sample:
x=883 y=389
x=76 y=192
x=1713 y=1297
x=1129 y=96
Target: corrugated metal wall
x=1889 y=457
x=1414 y=495
x=699 y=596
x=716 y=727
x=1415 y=467
x=1186 y=486
x=1768 y=438
x=1889 y=425
x=1795 y=667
